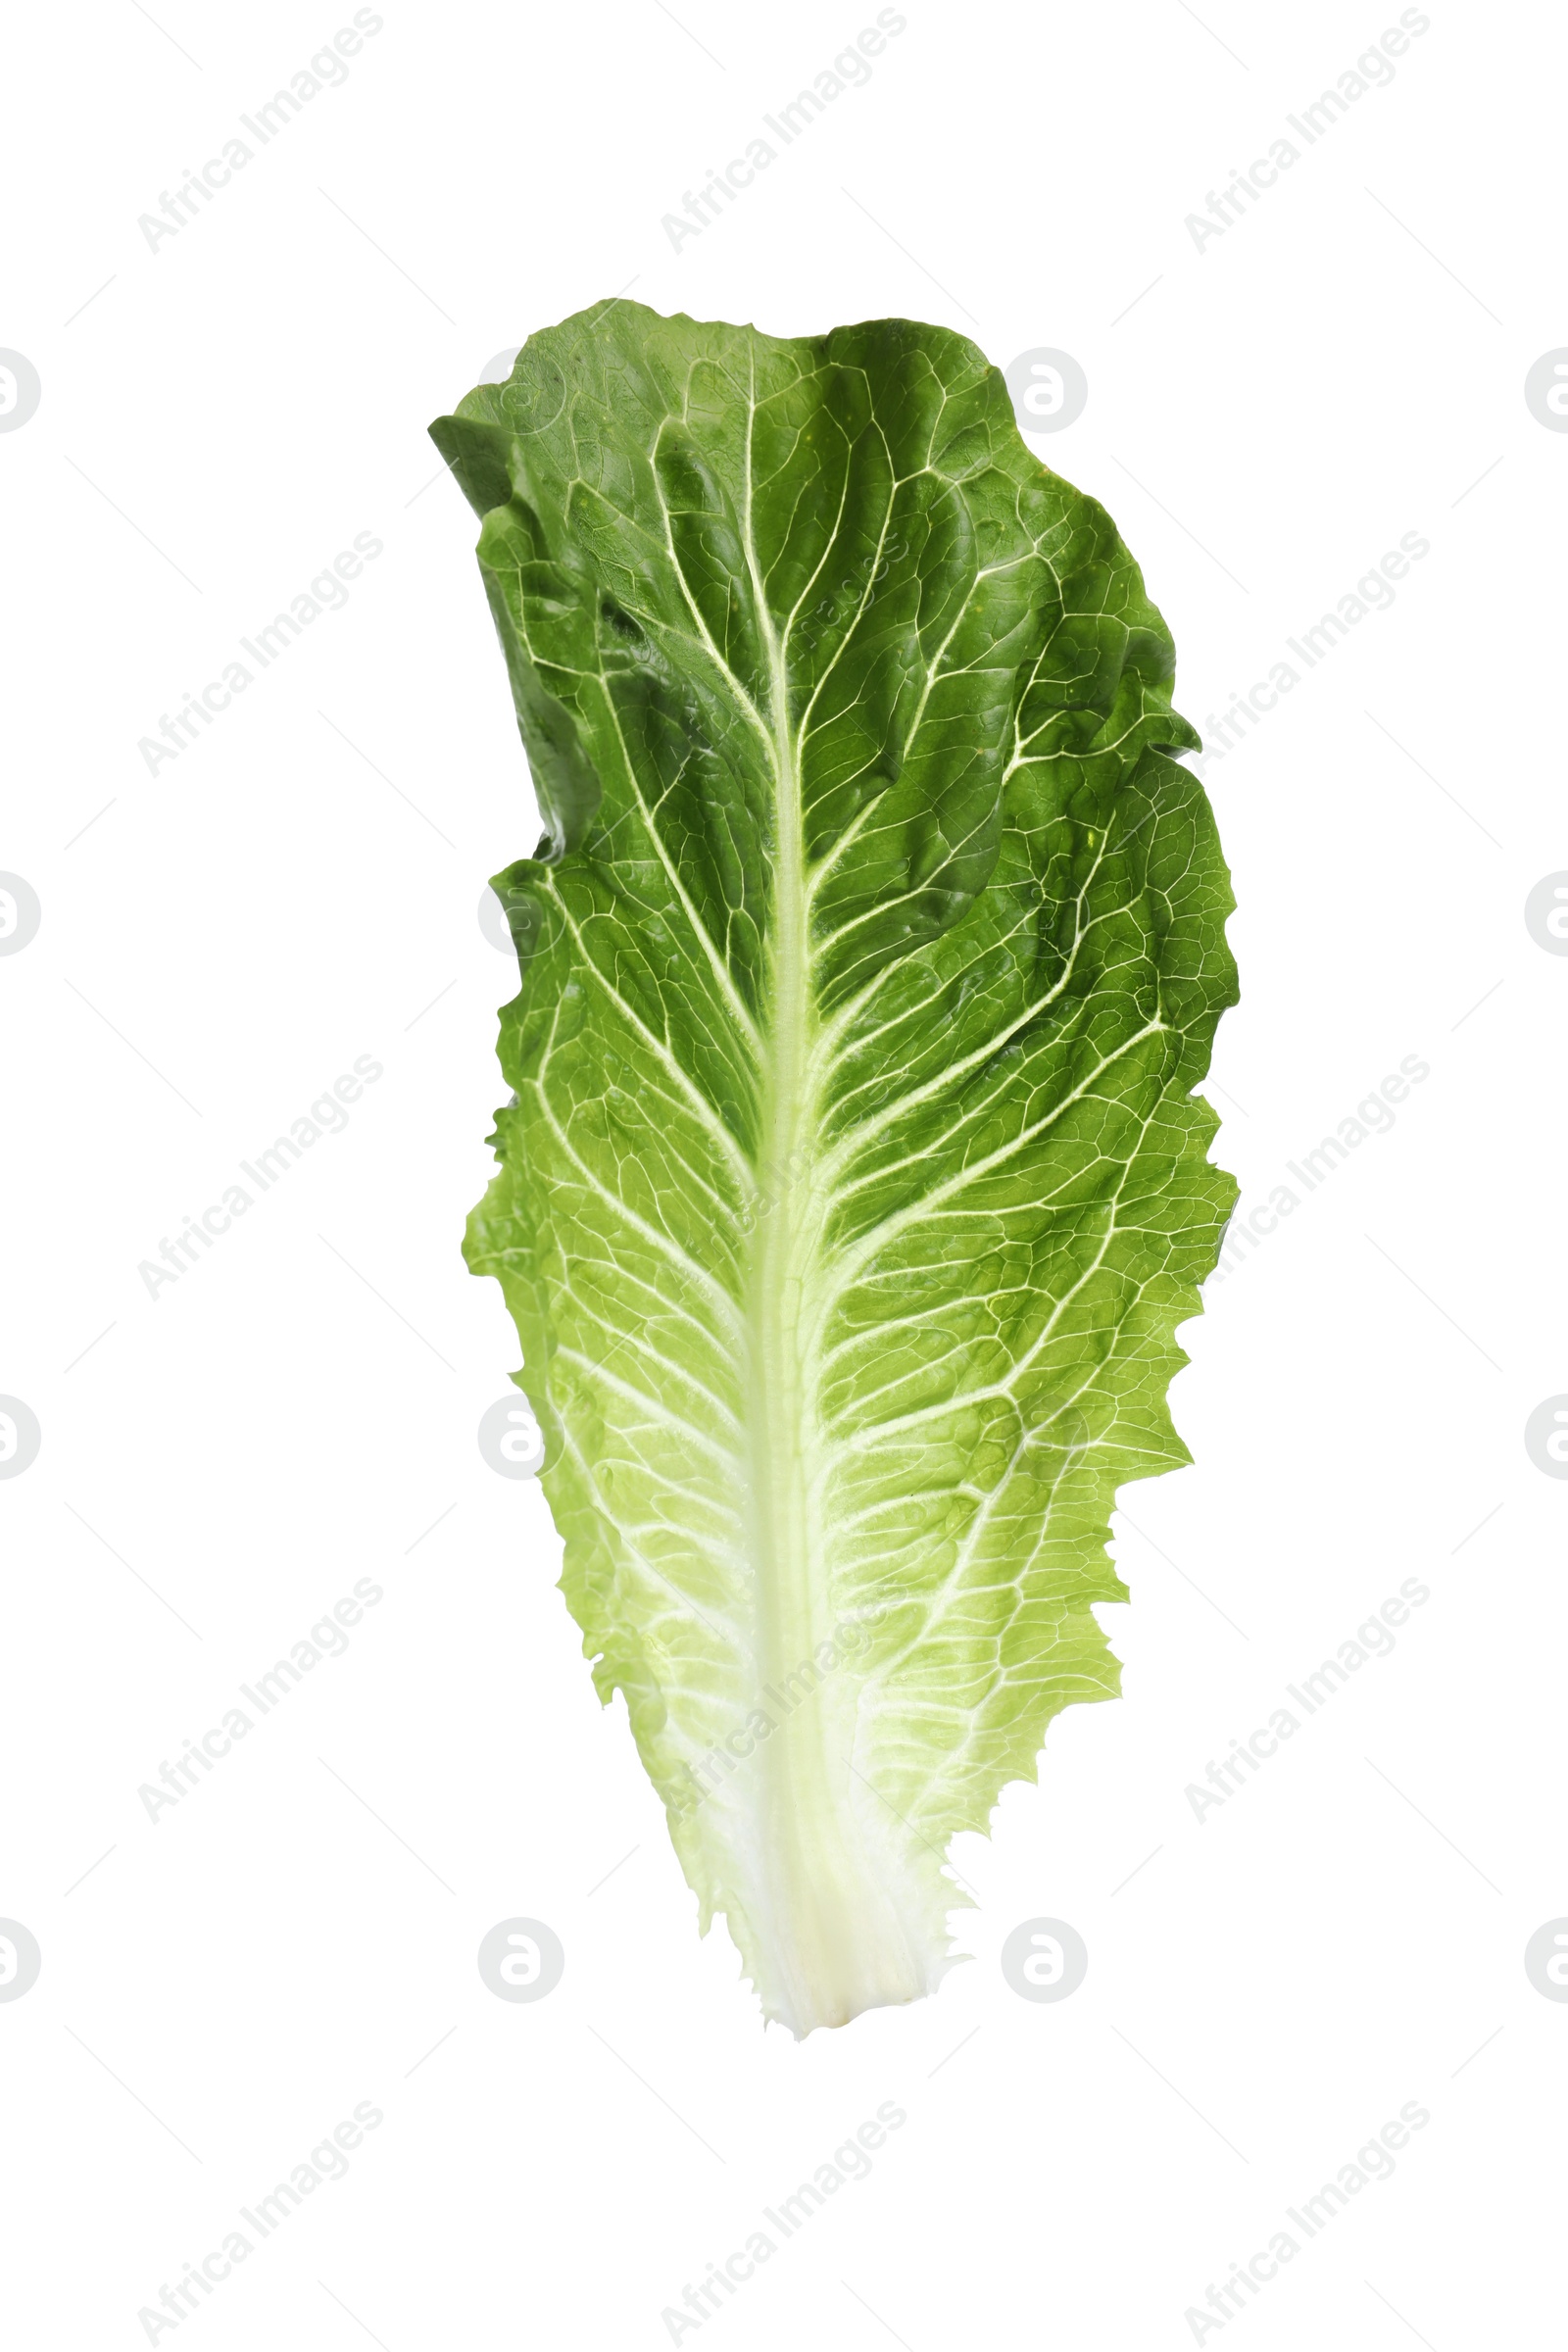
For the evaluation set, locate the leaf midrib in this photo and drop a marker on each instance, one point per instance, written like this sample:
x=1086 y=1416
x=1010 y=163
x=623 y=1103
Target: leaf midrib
x=794 y=1604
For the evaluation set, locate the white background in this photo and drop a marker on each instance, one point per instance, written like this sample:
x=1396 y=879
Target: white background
x=219 y=416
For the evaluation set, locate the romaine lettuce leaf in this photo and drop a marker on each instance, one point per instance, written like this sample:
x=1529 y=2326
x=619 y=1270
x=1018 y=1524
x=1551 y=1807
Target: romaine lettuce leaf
x=853 y=1184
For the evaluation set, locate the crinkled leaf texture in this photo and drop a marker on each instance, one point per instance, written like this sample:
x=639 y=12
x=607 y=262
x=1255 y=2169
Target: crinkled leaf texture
x=853 y=1184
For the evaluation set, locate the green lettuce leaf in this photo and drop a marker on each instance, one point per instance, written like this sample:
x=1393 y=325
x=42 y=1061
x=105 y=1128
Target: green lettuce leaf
x=853 y=1185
